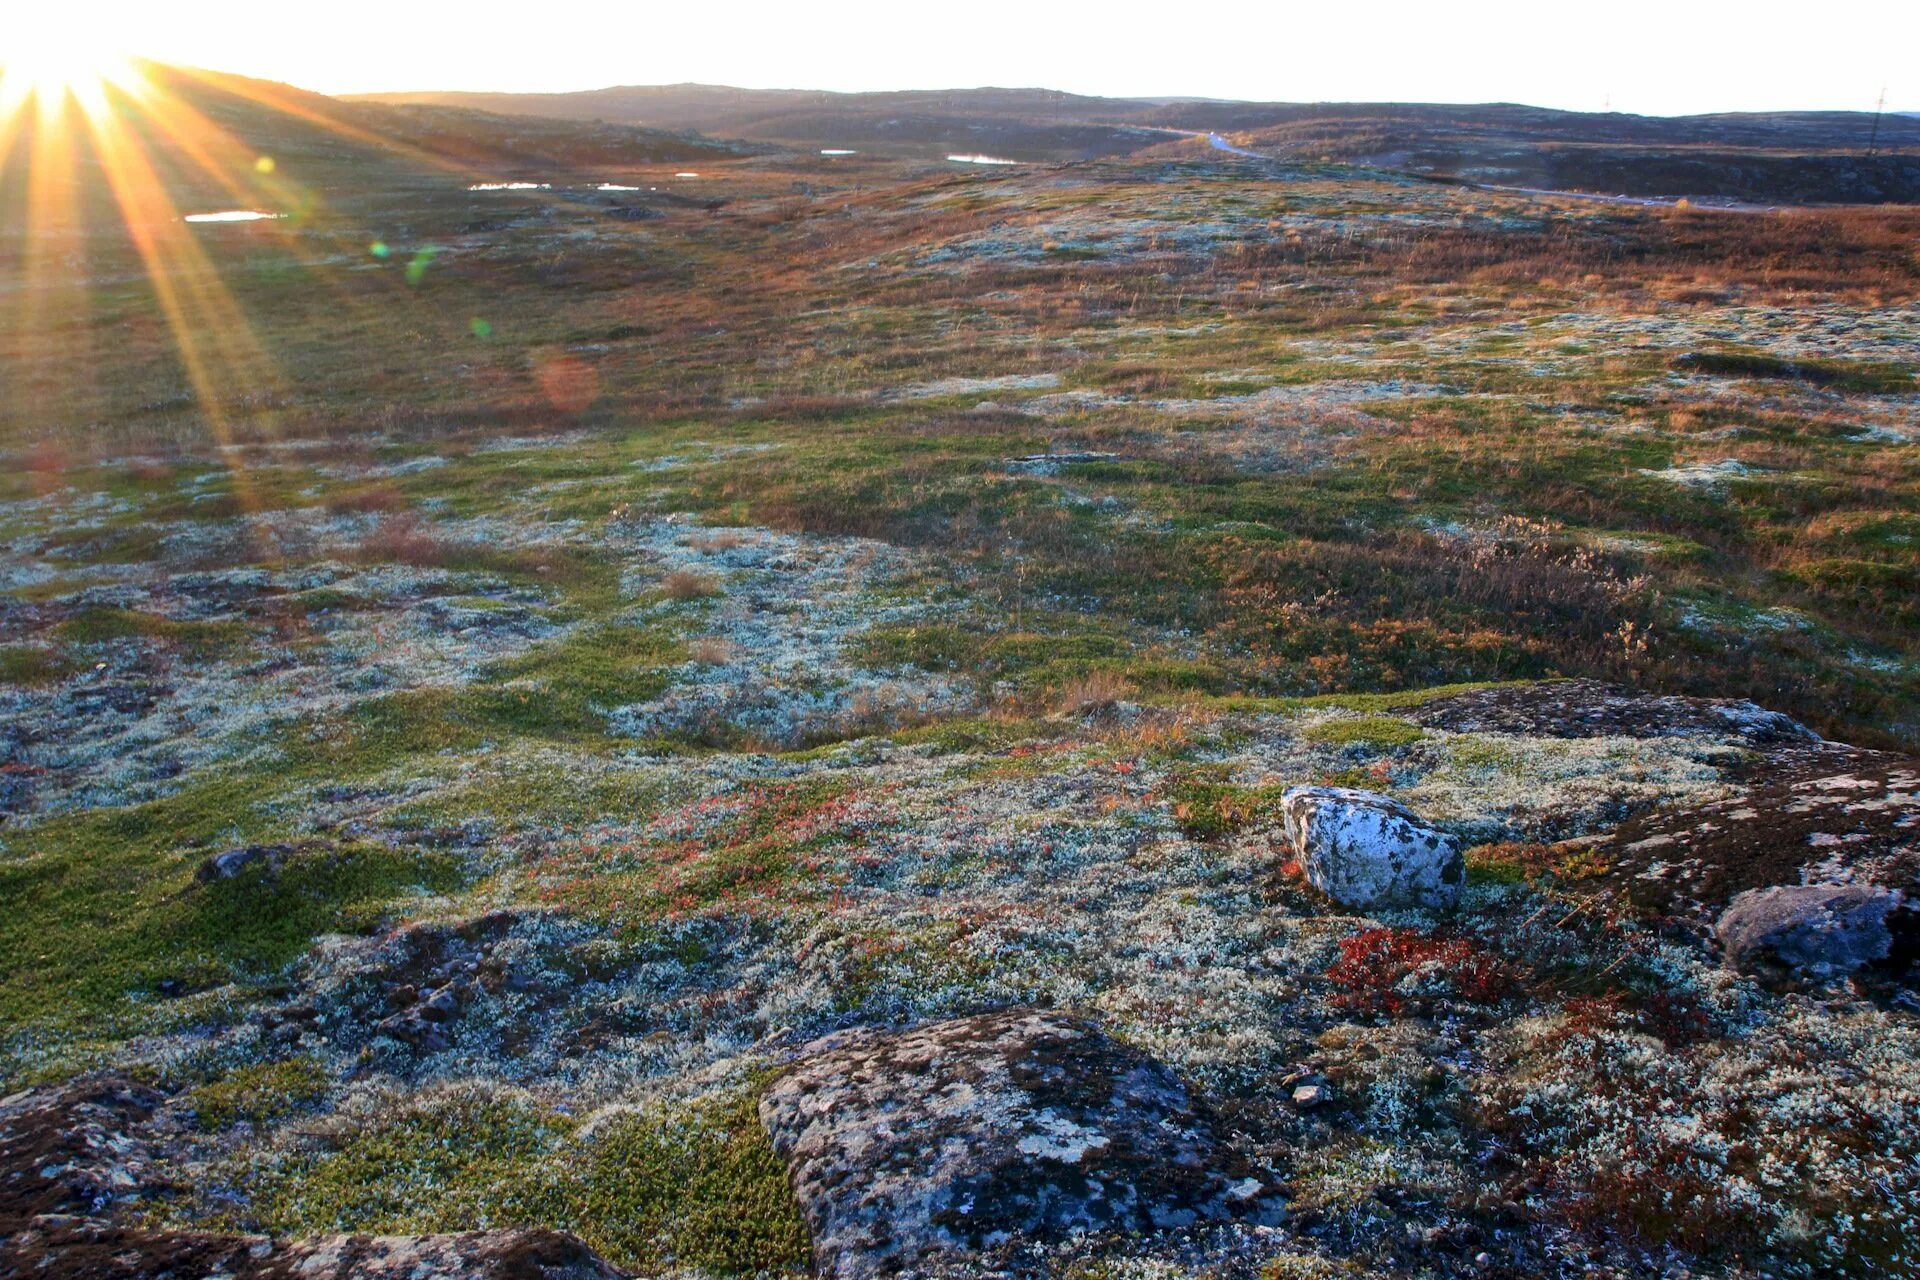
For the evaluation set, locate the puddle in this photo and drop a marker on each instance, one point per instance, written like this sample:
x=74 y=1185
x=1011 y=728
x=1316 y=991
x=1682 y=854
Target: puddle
x=973 y=159
x=510 y=186
x=234 y=215
x=686 y=175
x=614 y=186
x=837 y=151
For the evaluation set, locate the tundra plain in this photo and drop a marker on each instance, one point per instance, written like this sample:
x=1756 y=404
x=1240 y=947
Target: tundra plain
x=501 y=656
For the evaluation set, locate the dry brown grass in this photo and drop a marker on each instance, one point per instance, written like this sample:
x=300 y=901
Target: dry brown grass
x=1091 y=694
x=403 y=539
x=712 y=651
x=683 y=585
x=726 y=540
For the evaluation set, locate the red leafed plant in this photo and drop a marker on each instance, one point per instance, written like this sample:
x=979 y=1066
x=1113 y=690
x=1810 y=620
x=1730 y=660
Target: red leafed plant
x=1675 y=1018
x=1375 y=962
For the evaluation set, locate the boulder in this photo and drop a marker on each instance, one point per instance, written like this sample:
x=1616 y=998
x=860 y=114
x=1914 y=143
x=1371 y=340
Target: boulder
x=1813 y=931
x=1368 y=852
x=960 y=1135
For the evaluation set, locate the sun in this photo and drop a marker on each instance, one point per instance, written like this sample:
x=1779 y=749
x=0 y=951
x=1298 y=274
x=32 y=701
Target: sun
x=53 y=58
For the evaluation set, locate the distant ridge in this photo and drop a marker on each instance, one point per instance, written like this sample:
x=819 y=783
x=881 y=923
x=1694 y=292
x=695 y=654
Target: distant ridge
x=1795 y=157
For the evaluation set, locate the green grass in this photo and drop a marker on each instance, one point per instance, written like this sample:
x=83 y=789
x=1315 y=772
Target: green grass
x=1374 y=733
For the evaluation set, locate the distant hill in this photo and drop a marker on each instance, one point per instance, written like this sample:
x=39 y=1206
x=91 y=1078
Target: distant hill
x=455 y=134
x=1024 y=124
x=1801 y=157
x=319 y=144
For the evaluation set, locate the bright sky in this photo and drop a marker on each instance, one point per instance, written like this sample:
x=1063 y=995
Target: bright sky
x=1648 y=56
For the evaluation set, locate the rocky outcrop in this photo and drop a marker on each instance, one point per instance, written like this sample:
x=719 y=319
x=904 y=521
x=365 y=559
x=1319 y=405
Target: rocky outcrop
x=68 y=1249
x=1367 y=851
x=1592 y=709
x=75 y=1149
x=1817 y=932
x=413 y=985
x=958 y=1135
x=1841 y=815
x=74 y=1159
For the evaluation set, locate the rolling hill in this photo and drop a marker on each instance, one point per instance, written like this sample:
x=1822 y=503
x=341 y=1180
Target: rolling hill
x=1784 y=157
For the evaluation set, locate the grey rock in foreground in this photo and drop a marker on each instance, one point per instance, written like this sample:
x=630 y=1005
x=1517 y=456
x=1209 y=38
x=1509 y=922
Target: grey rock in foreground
x=76 y=1163
x=1366 y=851
x=1810 y=931
x=67 y=1249
x=959 y=1135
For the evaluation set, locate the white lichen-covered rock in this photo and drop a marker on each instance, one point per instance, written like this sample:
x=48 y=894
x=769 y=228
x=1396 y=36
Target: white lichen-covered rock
x=1819 y=931
x=1367 y=851
x=960 y=1135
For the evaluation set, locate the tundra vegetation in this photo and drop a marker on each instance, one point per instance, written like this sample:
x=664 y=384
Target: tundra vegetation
x=486 y=676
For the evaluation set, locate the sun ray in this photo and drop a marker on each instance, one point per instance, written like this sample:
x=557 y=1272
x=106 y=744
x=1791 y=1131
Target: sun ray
x=224 y=362
x=90 y=124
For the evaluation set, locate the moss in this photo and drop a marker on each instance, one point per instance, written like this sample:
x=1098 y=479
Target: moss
x=260 y=1093
x=1343 y=1177
x=104 y=906
x=532 y=790
x=1308 y=1266
x=703 y=1189
x=564 y=690
x=32 y=666
x=453 y=1161
x=975 y=734
x=699 y=1187
x=324 y=600
x=1361 y=702
x=760 y=858
x=936 y=647
x=1844 y=375
x=1472 y=752
x=1496 y=864
x=202 y=640
x=1207 y=806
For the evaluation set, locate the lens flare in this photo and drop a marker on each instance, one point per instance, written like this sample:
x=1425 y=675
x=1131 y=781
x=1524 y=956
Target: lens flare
x=53 y=57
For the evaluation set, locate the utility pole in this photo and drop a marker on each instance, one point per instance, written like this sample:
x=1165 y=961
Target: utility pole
x=1880 y=109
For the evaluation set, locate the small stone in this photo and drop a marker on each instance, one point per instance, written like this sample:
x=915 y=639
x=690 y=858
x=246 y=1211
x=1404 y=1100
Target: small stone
x=1308 y=1096
x=441 y=1005
x=231 y=862
x=1819 y=932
